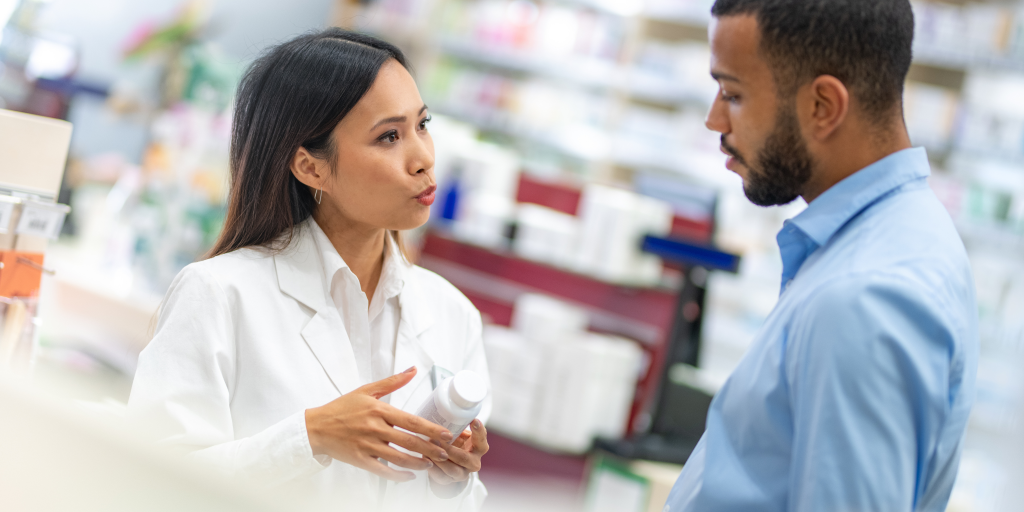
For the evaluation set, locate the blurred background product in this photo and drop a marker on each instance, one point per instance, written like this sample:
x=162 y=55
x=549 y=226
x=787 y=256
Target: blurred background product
x=32 y=154
x=582 y=206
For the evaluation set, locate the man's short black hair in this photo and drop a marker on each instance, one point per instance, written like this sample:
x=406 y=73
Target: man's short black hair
x=866 y=44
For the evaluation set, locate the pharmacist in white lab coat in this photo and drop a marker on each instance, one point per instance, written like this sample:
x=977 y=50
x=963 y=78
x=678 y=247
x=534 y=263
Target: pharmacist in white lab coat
x=283 y=356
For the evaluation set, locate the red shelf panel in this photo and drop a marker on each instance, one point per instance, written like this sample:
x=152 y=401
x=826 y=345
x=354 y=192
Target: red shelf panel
x=492 y=280
x=566 y=198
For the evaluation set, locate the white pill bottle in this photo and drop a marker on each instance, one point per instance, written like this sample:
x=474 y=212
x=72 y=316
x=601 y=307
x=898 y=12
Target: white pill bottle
x=455 y=401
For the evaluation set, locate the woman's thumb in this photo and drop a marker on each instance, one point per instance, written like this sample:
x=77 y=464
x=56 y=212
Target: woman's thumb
x=388 y=385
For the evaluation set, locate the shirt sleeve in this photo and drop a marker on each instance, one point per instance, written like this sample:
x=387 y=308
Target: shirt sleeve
x=868 y=366
x=182 y=389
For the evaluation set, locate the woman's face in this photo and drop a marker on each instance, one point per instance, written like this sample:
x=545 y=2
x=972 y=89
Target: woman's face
x=384 y=174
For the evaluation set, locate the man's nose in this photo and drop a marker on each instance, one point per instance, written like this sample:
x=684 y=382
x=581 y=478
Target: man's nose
x=717 y=120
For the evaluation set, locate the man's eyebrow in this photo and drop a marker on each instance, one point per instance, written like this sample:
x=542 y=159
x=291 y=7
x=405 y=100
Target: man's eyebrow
x=724 y=76
x=397 y=119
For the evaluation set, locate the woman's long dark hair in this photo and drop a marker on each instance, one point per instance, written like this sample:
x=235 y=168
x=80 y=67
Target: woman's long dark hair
x=292 y=96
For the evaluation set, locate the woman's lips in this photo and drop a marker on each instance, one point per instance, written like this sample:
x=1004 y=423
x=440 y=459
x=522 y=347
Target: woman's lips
x=427 y=197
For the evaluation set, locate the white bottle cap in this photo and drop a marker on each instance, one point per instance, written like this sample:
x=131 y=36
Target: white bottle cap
x=467 y=389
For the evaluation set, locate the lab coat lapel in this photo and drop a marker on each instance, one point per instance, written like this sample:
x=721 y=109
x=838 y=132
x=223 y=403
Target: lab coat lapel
x=300 y=275
x=328 y=340
x=410 y=349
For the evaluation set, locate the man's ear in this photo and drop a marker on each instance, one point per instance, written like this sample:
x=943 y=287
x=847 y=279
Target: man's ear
x=828 y=101
x=308 y=169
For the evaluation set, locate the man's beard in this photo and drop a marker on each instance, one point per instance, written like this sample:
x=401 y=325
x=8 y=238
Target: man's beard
x=783 y=165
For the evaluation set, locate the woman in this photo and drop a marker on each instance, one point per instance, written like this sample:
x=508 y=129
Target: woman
x=274 y=358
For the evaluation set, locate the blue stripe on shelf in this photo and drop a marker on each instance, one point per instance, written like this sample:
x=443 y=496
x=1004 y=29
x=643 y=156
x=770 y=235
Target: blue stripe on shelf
x=691 y=254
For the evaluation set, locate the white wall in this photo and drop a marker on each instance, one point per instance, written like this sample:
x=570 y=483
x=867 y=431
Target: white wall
x=242 y=27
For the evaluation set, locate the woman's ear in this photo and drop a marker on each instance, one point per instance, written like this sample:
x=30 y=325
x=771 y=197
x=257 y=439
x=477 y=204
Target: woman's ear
x=308 y=169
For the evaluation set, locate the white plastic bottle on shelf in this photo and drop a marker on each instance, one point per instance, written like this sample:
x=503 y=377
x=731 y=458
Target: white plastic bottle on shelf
x=455 y=402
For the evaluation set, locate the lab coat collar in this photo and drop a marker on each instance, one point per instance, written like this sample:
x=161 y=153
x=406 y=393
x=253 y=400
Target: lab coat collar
x=300 y=274
x=392 y=276
x=410 y=349
x=300 y=268
x=417 y=316
x=305 y=269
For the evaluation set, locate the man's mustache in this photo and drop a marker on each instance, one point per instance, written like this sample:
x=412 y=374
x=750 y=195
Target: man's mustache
x=733 y=152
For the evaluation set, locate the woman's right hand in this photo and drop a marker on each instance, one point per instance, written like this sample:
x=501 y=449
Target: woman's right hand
x=357 y=427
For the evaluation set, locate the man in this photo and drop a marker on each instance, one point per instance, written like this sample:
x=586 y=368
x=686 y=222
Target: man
x=855 y=394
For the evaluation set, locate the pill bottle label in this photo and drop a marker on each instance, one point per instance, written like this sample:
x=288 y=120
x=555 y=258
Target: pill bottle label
x=431 y=413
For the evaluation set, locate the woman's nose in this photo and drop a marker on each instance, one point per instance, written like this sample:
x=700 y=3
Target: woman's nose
x=422 y=159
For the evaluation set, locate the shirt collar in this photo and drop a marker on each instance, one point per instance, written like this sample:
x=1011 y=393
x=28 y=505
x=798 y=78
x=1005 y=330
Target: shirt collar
x=830 y=211
x=837 y=205
x=392 y=275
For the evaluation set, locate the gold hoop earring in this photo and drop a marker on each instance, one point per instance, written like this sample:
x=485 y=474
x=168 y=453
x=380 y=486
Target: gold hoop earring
x=320 y=191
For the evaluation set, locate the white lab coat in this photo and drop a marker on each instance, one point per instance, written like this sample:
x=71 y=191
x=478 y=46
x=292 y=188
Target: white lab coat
x=247 y=341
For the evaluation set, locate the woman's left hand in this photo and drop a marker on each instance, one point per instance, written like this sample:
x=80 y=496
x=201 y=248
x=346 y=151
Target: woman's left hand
x=464 y=456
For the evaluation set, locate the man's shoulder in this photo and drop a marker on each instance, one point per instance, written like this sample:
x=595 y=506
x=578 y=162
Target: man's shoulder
x=847 y=319
x=906 y=224
x=906 y=242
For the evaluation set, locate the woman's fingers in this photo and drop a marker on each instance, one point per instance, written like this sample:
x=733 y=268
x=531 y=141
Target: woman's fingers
x=464 y=458
x=468 y=456
x=454 y=471
x=479 y=437
x=462 y=439
x=439 y=476
x=416 y=425
x=415 y=444
x=401 y=459
x=387 y=385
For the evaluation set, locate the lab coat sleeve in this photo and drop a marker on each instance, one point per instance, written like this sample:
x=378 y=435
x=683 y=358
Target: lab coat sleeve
x=182 y=389
x=476 y=361
x=868 y=365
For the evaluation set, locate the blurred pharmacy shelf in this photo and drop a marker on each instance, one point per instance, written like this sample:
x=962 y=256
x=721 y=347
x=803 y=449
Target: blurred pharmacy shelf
x=607 y=91
x=965 y=60
x=97 y=308
x=590 y=73
x=591 y=144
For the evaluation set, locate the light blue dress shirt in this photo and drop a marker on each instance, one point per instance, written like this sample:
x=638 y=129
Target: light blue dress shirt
x=855 y=394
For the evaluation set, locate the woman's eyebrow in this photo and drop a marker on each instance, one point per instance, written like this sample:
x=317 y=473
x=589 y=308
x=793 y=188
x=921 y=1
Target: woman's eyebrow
x=397 y=119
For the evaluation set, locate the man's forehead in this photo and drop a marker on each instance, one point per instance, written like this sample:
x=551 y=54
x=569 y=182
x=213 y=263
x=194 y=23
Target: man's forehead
x=734 y=41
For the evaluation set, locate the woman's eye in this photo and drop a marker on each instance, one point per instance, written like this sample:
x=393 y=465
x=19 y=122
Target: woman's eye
x=423 y=123
x=391 y=137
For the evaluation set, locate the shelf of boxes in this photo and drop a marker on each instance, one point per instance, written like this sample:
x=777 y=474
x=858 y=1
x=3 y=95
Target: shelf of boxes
x=590 y=73
x=981 y=182
x=621 y=105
